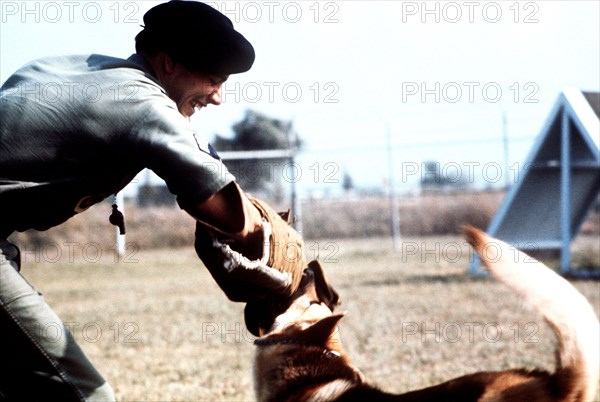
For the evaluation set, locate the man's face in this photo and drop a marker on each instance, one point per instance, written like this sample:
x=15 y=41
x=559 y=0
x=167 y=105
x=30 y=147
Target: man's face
x=191 y=90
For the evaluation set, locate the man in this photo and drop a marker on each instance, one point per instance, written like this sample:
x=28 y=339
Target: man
x=76 y=129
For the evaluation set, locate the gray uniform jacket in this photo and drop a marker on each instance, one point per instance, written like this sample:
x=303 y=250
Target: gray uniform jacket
x=76 y=129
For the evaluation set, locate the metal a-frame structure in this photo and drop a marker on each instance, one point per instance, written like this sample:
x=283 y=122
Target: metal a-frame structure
x=558 y=185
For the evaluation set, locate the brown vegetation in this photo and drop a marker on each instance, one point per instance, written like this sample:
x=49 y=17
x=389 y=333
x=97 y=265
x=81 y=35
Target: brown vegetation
x=434 y=214
x=366 y=217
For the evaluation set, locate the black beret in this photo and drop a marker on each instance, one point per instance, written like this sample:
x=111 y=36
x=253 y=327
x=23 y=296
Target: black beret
x=197 y=36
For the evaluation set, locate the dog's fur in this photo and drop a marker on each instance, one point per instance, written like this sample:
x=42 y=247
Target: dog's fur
x=299 y=356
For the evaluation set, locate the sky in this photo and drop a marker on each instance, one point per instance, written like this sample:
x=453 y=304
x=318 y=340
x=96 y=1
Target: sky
x=367 y=84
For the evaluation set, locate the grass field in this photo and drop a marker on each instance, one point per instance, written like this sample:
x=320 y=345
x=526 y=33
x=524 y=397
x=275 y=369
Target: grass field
x=159 y=329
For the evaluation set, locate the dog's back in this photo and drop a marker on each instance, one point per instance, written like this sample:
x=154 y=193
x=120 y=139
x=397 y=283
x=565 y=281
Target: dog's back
x=564 y=308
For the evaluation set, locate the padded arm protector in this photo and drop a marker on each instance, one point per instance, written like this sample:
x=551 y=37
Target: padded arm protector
x=277 y=273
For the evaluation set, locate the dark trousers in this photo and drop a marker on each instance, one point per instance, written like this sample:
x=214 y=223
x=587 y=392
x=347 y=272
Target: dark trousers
x=39 y=359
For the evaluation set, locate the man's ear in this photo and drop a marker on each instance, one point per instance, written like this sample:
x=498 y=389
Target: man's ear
x=167 y=63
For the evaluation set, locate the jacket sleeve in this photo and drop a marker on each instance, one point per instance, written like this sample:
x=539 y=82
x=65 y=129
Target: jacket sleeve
x=182 y=157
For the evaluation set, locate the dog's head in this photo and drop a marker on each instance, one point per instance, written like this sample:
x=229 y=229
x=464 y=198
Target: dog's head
x=300 y=344
x=266 y=316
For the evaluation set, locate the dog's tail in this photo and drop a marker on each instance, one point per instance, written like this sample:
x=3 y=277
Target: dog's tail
x=566 y=310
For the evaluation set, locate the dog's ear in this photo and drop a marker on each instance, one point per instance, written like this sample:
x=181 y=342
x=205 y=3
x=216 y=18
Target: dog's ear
x=320 y=332
x=285 y=215
x=325 y=291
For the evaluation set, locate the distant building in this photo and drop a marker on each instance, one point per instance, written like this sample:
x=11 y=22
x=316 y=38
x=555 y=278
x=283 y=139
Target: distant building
x=433 y=180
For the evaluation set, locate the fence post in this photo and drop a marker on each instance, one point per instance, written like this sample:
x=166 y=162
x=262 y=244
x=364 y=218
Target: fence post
x=296 y=208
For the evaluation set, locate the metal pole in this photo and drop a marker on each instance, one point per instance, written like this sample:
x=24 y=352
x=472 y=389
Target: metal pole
x=296 y=208
x=505 y=143
x=565 y=195
x=394 y=207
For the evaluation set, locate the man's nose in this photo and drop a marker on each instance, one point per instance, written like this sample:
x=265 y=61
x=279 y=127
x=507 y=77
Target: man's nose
x=215 y=97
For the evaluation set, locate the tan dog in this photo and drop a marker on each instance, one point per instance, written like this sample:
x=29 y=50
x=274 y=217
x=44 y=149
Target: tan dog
x=299 y=356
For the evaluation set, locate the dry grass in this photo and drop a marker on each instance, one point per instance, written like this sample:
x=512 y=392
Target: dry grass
x=155 y=227
x=158 y=327
x=426 y=215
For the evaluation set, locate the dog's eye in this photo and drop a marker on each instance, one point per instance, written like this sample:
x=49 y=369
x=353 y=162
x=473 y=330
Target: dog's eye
x=315 y=302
